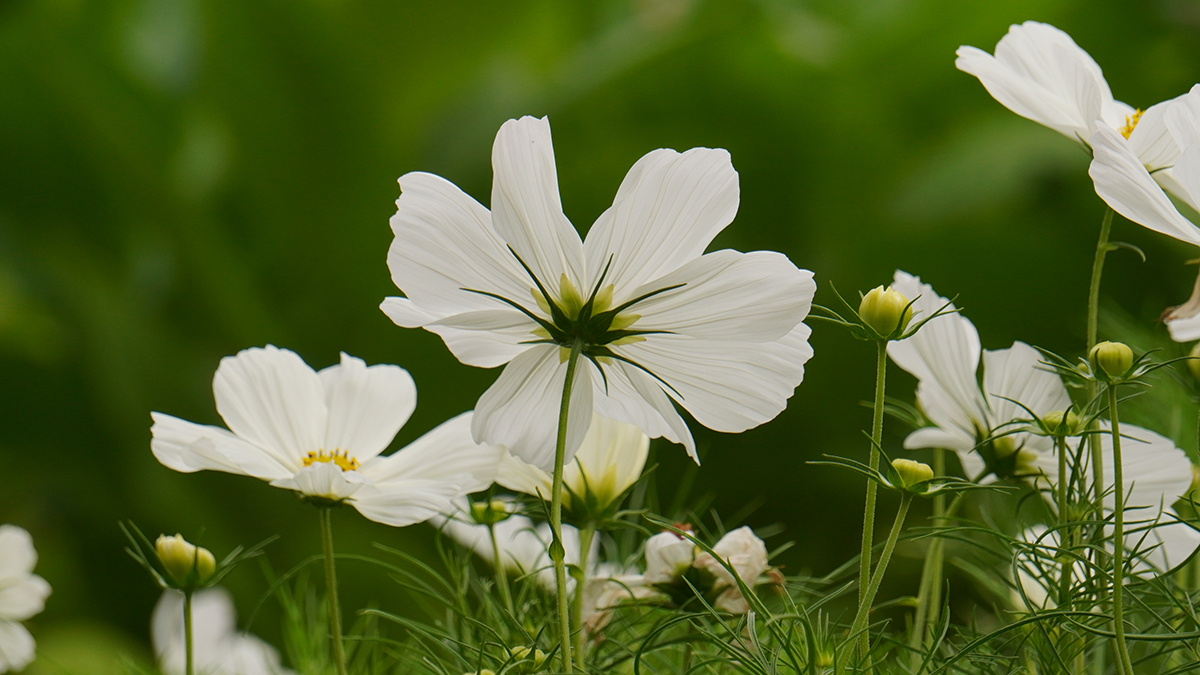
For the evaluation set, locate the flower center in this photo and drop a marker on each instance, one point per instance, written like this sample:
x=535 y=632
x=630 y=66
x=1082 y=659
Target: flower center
x=341 y=458
x=600 y=326
x=1131 y=122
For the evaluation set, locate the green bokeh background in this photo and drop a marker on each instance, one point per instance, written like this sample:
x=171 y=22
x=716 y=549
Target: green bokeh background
x=182 y=179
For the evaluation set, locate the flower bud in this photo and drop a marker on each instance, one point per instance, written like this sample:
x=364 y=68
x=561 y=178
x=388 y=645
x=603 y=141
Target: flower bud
x=1113 y=358
x=1060 y=423
x=534 y=658
x=490 y=512
x=886 y=311
x=911 y=472
x=747 y=555
x=668 y=557
x=187 y=564
x=1193 y=363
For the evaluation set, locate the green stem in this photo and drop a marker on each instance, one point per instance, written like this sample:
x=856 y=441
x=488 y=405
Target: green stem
x=859 y=626
x=1067 y=565
x=331 y=590
x=868 y=531
x=1093 y=439
x=187 y=633
x=499 y=570
x=557 y=552
x=929 y=597
x=1118 y=536
x=586 y=534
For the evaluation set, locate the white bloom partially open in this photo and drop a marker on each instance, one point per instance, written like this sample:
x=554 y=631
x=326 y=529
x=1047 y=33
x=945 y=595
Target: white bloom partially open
x=218 y=647
x=22 y=595
x=747 y=554
x=668 y=557
x=322 y=435
x=657 y=319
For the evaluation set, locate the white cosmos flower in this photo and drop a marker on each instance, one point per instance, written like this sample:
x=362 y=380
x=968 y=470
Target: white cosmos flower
x=668 y=557
x=608 y=462
x=747 y=554
x=22 y=595
x=607 y=589
x=218 y=648
x=321 y=434
x=720 y=333
x=1040 y=73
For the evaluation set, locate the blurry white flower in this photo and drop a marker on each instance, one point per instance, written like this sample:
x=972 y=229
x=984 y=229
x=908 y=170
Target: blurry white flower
x=719 y=333
x=22 y=595
x=609 y=461
x=747 y=554
x=218 y=648
x=609 y=588
x=668 y=557
x=321 y=434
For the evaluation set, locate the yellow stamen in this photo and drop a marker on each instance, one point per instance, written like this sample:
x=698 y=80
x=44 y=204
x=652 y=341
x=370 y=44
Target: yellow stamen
x=341 y=458
x=1131 y=122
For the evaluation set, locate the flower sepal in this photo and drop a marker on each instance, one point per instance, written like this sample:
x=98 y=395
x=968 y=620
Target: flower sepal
x=876 y=312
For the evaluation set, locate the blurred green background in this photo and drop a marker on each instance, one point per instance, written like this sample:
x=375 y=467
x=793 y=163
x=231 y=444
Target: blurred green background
x=181 y=179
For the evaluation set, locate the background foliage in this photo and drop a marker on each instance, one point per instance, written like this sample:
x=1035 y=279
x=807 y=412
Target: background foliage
x=183 y=179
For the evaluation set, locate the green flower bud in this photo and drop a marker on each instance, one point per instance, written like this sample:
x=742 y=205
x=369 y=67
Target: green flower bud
x=1193 y=363
x=188 y=565
x=491 y=512
x=1061 y=423
x=1195 y=479
x=529 y=654
x=1113 y=358
x=886 y=311
x=911 y=472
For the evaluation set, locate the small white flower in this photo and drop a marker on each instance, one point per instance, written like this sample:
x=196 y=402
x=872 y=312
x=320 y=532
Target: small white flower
x=22 y=595
x=321 y=434
x=720 y=333
x=747 y=554
x=609 y=588
x=668 y=557
x=218 y=648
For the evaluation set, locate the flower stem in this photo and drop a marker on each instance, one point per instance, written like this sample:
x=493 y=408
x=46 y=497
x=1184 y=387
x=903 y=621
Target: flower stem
x=868 y=532
x=557 y=552
x=1093 y=319
x=586 y=534
x=859 y=626
x=331 y=590
x=187 y=633
x=1118 y=536
x=929 y=597
x=499 y=570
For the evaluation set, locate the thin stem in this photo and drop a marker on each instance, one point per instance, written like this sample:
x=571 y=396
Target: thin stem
x=1067 y=565
x=1118 y=536
x=499 y=570
x=586 y=534
x=187 y=633
x=557 y=552
x=929 y=597
x=864 y=608
x=331 y=590
x=1093 y=319
x=868 y=531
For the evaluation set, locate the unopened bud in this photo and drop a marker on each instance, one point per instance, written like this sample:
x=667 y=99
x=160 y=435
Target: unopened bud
x=490 y=512
x=1061 y=423
x=536 y=656
x=1114 y=358
x=886 y=311
x=187 y=564
x=911 y=472
x=1193 y=363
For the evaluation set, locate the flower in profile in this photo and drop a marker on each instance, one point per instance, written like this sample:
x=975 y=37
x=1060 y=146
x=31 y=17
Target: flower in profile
x=322 y=435
x=218 y=647
x=22 y=595
x=608 y=463
x=747 y=555
x=655 y=319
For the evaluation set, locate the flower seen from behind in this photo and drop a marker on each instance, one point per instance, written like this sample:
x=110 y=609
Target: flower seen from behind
x=656 y=319
x=218 y=647
x=322 y=435
x=22 y=595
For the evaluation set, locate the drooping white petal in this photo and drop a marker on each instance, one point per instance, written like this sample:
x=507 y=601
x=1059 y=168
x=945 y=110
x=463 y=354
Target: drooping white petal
x=526 y=209
x=520 y=476
x=23 y=599
x=1156 y=473
x=1016 y=376
x=403 y=502
x=482 y=349
x=727 y=386
x=447 y=453
x=1124 y=184
x=520 y=410
x=367 y=406
x=271 y=398
x=17 y=555
x=1161 y=542
x=728 y=295
x=16 y=646
x=323 y=479
x=666 y=212
x=188 y=447
x=1184 y=330
x=630 y=395
x=936 y=437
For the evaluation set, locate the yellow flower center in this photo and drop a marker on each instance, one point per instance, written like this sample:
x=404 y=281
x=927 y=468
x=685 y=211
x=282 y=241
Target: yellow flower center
x=1131 y=122
x=339 y=457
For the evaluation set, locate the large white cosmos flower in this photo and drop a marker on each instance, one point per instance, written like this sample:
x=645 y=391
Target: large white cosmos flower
x=720 y=333
x=22 y=595
x=321 y=434
x=218 y=648
x=1040 y=73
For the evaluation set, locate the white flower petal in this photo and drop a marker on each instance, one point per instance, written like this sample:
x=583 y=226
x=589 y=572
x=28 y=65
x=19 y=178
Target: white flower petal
x=1125 y=185
x=23 y=599
x=727 y=386
x=218 y=648
x=610 y=459
x=1156 y=473
x=1185 y=330
x=936 y=437
x=472 y=347
x=404 y=502
x=666 y=212
x=1151 y=140
x=1162 y=543
x=526 y=209
x=520 y=410
x=367 y=406
x=16 y=646
x=728 y=295
x=447 y=453
x=520 y=476
x=1017 y=374
x=271 y=398
x=1182 y=119
x=17 y=555
x=188 y=447
x=323 y=479
x=630 y=395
